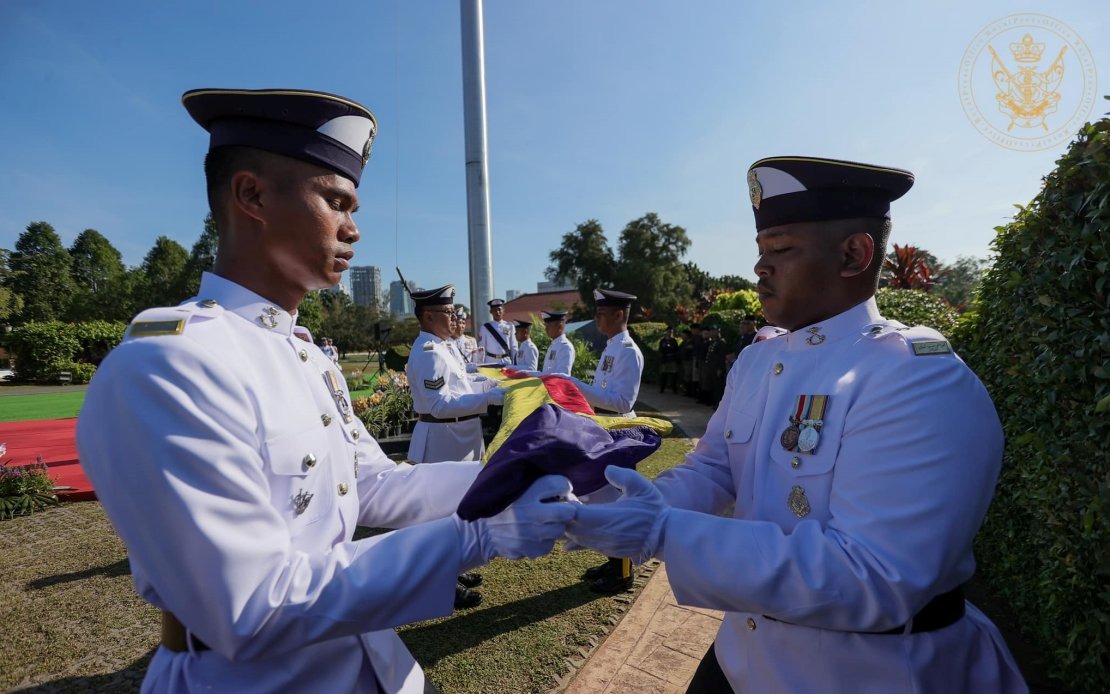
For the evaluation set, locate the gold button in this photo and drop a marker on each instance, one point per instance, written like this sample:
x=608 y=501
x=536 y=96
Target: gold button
x=325 y=418
x=343 y=488
x=795 y=462
x=728 y=434
x=303 y=355
x=778 y=368
x=354 y=434
x=309 y=460
x=751 y=624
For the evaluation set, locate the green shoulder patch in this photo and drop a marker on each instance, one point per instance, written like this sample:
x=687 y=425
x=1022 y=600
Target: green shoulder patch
x=146 y=328
x=927 y=347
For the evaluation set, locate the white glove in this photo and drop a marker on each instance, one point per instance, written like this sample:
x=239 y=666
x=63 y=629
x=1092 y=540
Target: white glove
x=527 y=528
x=472 y=368
x=495 y=396
x=631 y=526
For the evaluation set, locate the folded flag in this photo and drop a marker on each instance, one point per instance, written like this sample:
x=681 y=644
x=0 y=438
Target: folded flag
x=551 y=440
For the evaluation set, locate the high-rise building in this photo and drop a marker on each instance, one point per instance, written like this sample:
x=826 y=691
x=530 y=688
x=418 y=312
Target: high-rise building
x=366 y=285
x=511 y=294
x=400 y=303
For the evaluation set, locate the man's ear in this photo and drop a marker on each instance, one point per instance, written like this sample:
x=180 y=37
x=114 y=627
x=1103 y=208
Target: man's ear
x=857 y=251
x=246 y=194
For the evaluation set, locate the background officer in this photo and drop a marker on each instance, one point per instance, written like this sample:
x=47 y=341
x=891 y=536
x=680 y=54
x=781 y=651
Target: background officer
x=527 y=354
x=859 y=456
x=497 y=337
x=614 y=391
x=560 y=353
x=246 y=469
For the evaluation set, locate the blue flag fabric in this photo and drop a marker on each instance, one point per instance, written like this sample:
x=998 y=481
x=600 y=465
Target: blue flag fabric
x=552 y=441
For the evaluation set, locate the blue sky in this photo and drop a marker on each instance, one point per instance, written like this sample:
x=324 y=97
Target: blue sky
x=596 y=109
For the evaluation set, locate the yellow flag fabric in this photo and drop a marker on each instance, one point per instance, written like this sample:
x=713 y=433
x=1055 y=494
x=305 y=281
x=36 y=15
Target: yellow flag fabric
x=524 y=395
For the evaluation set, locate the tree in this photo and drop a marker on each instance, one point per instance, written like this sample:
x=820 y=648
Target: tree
x=584 y=257
x=10 y=302
x=310 y=314
x=40 y=273
x=957 y=283
x=907 y=267
x=651 y=267
x=160 y=274
x=98 y=272
x=201 y=259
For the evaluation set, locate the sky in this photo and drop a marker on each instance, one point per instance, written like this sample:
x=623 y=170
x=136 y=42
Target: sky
x=596 y=109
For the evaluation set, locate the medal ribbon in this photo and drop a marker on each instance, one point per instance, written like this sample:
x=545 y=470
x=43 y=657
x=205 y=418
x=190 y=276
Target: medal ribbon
x=816 y=410
x=799 y=408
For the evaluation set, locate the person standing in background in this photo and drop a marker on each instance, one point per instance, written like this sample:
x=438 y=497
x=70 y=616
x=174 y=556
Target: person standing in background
x=527 y=354
x=561 y=353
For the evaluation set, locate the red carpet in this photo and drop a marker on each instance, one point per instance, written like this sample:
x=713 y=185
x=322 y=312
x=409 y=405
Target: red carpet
x=55 y=441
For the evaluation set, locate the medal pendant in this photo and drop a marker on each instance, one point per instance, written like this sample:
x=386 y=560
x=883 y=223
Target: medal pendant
x=798 y=502
x=807 y=439
x=789 y=438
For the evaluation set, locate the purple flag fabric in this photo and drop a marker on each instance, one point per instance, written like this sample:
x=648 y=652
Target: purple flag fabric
x=552 y=441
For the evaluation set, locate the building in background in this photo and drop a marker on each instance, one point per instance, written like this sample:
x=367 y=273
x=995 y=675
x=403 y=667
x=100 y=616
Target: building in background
x=511 y=294
x=340 y=288
x=542 y=287
x=400 y=303
x=366 y=285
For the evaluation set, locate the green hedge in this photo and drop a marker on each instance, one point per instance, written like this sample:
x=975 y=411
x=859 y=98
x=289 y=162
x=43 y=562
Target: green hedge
x=44 y=349
x=1040 y=341
x=916 y=307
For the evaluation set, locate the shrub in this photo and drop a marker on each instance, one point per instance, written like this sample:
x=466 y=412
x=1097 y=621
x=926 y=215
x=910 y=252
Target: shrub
x=746 y=301
x=916 y=307
x=389 y=409
x=1040 y=341
x=25 y=489
x=42 y=349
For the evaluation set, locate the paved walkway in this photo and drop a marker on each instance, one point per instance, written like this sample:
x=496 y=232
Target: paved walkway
x=658 y=644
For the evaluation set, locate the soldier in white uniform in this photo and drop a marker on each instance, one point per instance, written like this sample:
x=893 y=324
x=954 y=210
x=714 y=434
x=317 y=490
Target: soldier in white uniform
x=527 y=354
x=447 y=399
x=860 y=455
x=223 y=447
x=560 y=354
x=614 y=391
x=496 y=337
x=465 y=344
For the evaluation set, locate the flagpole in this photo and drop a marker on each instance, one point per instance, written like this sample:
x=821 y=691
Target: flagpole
x=477 y=169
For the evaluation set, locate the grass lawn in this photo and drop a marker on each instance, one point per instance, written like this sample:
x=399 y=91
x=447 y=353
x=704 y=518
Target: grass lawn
x=22 y=408
x=72 y=621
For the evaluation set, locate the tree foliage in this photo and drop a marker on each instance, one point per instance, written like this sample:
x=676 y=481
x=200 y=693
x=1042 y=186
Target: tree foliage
x=162 y=280
x=1040 y=341
x=585 y=259
x=650 y=265
x=201 y=259
x=908 y=267
x=40 y=273
x=916 y=307
x=957 y=283
x=98 y=278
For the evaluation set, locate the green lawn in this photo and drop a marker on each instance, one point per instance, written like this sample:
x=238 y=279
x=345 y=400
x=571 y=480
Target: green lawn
x=21 y=408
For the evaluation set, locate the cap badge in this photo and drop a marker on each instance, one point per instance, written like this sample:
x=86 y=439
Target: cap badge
x=815 y=336
x=366 y=148
x=755 y=190
x=798 y=502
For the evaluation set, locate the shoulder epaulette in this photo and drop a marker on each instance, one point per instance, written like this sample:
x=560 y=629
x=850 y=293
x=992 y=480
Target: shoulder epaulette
x=921 y=340
x=168 y=320
x=429 y=346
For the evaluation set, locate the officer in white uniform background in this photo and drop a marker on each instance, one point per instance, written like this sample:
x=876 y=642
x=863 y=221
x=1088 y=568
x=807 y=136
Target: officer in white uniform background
x=224 y=449
x=527 y=354
x=447 y=399
x=496 y=337
x=860 y=455
x=560 y=354
x=465 y=344
x=614 y=391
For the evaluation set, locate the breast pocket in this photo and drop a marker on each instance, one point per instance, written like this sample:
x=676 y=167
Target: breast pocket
x=300 y=476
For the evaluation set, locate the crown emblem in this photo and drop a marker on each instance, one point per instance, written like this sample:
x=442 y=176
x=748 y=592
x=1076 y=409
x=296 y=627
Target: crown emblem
x=1027 y=51
x=755 y=190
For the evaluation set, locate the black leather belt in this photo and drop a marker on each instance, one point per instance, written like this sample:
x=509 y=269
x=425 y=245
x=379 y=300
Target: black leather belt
x=944 y=610
x=449 y=420
x=496 y=356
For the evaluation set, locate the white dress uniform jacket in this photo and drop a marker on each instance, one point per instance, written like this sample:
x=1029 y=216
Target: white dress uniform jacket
x=442 y=389
x=617 y=377
x=466 y=345
x=494 y=351
x=855 y=536
x=220 y=447
x=527 y=356
x=560 y=356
